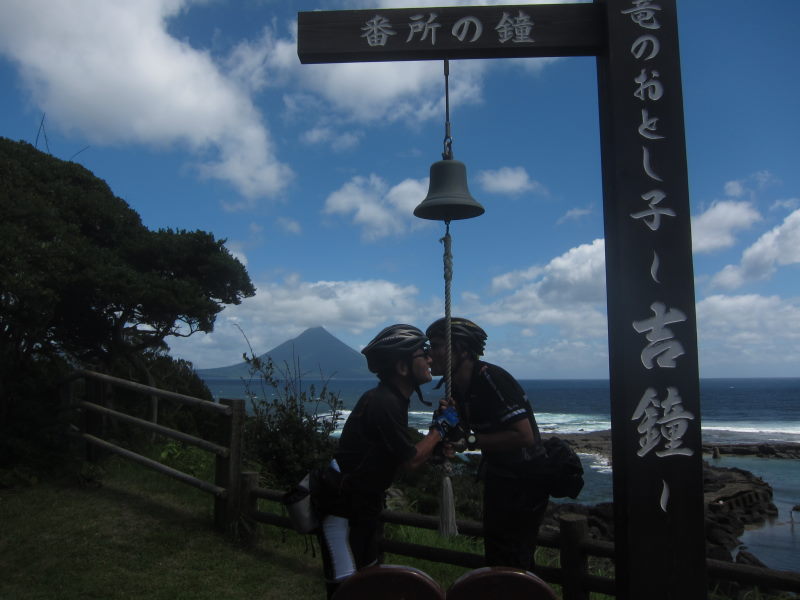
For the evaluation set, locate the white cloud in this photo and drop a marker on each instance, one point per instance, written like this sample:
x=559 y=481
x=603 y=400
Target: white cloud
x=237 y=251
x=392 y=91
x=112 y=72
x=326 y=135
x=714 y=229
x=786 y=204
x=509 y=180
x=574 y=214
x=748 y=334
x=734 y=189
x=381 y=211
x=751 y=184
x=568 y=292
x=512 y=279
x=338 y=94
x=289 y=225
x=778 y=247
x=282 y=310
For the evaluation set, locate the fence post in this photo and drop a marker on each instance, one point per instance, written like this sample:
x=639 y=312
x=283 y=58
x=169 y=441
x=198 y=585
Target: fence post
x=228 y=470
x=248 y=533
x=573 y=531
x=92 y=422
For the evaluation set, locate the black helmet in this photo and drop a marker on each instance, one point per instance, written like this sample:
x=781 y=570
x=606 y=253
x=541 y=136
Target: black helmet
x=462 y=331
x=392 y=344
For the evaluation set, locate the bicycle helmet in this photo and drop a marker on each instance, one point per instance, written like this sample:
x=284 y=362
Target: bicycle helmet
x=462 y=331
x=392 y=344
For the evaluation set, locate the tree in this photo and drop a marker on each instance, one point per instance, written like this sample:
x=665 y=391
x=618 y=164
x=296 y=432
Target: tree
x=83 y=283
x=81 y=275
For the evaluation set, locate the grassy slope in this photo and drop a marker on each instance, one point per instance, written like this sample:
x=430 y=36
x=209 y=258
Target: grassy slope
x=139 y=535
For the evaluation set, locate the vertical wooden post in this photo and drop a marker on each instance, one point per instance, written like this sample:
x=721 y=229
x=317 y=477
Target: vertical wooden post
x=92 y=422
x=70 y=422
x=652 y=333
x=573 y=531
x=228 y=470
x=248 y=533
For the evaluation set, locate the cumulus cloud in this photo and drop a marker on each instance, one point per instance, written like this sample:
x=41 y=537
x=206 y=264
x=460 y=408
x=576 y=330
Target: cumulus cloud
x=378 y=209
x=747 y=334
x=568 y=292
x=111 y=71
x=715 y=228
x=281 y=310
x=778 y=247
x=509 y=180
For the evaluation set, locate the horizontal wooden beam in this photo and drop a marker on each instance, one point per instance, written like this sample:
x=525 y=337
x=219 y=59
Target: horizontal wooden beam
x=451 y=32
x=152 y=391
x=217 y=491
x=160 y=429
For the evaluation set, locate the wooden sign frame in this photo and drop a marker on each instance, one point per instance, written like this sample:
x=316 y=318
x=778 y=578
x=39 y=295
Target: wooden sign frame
x=652 y=331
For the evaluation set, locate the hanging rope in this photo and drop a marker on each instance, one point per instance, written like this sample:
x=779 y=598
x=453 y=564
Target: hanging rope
x=448 y=278
x=447 y=512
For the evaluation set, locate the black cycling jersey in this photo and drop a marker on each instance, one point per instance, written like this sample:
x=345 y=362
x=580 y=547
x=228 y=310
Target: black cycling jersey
x=375 y=440
x=493 y=401
x=514 y=500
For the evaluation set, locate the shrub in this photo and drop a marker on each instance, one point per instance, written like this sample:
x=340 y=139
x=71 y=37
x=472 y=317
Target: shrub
x=290 y=429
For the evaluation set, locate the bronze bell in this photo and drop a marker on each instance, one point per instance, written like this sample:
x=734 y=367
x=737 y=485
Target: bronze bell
x=448 y=196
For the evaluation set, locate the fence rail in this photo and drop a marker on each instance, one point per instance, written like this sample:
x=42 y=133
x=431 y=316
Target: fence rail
x=237 y=494
x=227 y=474
x=572 y=542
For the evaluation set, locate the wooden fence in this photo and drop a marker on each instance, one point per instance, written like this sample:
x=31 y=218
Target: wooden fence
x=91 y=428
x=237 y=494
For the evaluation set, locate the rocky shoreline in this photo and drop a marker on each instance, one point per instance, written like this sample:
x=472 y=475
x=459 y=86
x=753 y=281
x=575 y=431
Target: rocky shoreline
x=734 y=498
x=599 y=442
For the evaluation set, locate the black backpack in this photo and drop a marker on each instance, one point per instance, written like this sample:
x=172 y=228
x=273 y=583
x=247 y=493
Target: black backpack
x=561 y=469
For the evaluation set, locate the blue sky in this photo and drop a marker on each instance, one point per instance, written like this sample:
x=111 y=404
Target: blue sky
x=200 y=115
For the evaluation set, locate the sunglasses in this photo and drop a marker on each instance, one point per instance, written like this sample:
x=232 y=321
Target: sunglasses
x=425 y=353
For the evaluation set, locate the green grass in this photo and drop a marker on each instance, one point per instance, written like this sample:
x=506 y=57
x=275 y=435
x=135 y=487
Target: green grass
x=139 y=535
x=122 y=531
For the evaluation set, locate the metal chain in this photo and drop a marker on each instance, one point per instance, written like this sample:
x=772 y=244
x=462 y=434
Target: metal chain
x=448 y=140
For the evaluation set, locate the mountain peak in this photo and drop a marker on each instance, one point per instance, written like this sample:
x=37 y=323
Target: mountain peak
x=317 y=352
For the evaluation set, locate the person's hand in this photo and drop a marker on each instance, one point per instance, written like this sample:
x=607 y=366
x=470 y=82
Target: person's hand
x=445 y=420
x=450 y=448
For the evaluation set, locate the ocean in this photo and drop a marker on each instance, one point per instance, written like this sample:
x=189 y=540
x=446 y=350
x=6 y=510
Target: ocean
x=733 y=411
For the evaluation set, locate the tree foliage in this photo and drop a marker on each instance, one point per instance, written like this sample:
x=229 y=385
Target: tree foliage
x=81 y=275
x=83 y=283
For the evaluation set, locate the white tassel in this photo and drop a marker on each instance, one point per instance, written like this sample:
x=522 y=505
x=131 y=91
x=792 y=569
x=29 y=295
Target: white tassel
x=447 y=510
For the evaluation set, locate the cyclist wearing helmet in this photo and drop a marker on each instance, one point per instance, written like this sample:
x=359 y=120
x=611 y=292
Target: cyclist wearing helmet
x=499 y=421
x=374 y=445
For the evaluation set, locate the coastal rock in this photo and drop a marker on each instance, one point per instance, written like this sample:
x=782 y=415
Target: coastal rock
x=775 y=450
x=599 y=442
x=734 y=499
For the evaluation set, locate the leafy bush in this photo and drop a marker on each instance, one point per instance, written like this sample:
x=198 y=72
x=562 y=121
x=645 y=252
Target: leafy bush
x=290 y=429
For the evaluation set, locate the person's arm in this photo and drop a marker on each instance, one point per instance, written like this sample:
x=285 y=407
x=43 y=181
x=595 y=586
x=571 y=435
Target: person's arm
x=424 y=449
x=518 y=435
